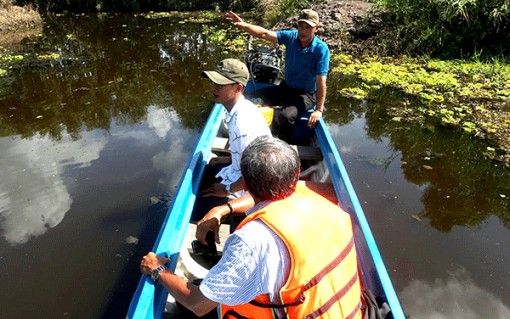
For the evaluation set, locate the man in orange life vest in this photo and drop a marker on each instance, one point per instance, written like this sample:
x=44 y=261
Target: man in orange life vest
x=293 y=256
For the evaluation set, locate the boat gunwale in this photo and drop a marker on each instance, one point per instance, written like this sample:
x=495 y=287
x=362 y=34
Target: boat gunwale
x=380 y=286
x=150 y=298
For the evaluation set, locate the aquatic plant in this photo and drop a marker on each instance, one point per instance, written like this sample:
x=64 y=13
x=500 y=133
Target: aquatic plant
x=7 y=60
x=469 y=95
x=51 y=56
x=226 y=37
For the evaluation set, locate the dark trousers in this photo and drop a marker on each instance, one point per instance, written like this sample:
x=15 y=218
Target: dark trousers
x=294 y=102
x=204 y=204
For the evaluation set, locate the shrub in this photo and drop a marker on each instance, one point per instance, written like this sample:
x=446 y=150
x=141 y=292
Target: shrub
x=449 y=28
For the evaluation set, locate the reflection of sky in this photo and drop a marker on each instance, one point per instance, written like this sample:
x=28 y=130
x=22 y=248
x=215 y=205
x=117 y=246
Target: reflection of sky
x=33 y=196
x=161 y=120
x=456 y=297
x=165 y=122
x=356 y=140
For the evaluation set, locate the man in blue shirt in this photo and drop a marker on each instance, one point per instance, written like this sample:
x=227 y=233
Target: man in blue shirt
x=306 y=69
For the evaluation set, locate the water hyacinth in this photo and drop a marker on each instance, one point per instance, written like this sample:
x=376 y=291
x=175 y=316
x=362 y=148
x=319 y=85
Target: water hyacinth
x=468 y=95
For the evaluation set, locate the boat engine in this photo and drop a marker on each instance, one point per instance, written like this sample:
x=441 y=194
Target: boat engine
x=264 y=63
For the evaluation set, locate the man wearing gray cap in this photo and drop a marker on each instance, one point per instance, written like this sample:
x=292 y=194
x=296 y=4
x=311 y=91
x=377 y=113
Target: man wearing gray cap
x=306 y=68
x=244 y=121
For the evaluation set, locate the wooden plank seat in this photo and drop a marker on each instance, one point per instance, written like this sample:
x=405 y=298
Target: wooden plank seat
x=221 y=146
x=308 y=153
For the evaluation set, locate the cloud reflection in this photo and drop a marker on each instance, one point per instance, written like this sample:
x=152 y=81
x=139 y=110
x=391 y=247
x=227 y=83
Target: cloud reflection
x=161 y=120
x=33 y=195
x=456 y=297
x=165 y=122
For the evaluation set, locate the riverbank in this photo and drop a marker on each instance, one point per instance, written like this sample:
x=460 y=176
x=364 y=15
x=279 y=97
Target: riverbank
x=17 y=23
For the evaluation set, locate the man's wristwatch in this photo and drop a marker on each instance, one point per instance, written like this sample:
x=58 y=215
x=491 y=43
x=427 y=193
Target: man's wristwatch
x=227 y=189
x=155 y=272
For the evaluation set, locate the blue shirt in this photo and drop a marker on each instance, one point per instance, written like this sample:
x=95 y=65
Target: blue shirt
x=302 y=65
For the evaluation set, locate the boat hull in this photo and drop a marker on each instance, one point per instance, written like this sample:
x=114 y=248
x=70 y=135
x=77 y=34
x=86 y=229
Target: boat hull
x=150 y=299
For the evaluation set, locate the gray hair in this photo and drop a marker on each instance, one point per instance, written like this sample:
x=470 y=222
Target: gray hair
x=270 y=168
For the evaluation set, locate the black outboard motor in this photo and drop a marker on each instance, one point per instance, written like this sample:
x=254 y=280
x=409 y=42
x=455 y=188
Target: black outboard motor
x=264 y=63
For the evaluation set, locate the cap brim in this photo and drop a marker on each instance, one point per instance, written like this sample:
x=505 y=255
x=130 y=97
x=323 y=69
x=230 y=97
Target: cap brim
x=217 y=78
x=310 y=23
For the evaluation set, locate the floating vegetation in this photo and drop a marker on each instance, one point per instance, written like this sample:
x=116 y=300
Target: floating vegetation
x=229 y=42
x=191 y=17
x=11 y=58
x=157 y=15
x=355 y=93
x=468 y=95
x=7 y=60
x=46 y=57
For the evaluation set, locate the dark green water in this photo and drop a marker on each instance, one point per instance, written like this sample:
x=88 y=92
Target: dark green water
x=88 y=139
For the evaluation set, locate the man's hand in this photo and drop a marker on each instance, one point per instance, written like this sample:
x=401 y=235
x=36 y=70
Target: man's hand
x=151 y=261
x=216 y=190
x=220 y=160
x=234 y=18
x=211 y=222
x=314 y=118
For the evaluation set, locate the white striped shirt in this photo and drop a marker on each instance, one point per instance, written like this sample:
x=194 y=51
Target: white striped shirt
x=255 y=261
x=245 y=123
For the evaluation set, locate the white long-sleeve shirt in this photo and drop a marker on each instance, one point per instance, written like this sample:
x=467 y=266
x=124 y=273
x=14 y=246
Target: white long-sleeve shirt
x=245 y=123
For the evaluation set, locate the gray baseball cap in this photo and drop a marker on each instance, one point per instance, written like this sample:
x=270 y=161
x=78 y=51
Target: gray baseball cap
x=229 y=71
x=309 y=16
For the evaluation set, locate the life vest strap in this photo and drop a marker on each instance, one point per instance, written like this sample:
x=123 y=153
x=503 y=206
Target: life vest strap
x=233 y=314
x=332 y=265
x=296 y=302
x=335 y=298
x=315 y=280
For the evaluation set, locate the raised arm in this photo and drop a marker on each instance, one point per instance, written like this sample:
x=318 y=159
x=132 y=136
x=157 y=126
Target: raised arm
x=254 y=30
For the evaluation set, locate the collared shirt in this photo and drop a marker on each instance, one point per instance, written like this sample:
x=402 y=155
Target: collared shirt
x=255 y=261
x=302 y=65
x=245 y=123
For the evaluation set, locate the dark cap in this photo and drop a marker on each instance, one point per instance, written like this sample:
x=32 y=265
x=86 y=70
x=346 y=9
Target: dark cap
x=229 y=71
x=309 y=16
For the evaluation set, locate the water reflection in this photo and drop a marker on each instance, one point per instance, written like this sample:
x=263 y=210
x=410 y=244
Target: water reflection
x=34 y=196
x=165 y=123
x=161 y=120
x=455 y=296
x=108 y=68
x=461 y=187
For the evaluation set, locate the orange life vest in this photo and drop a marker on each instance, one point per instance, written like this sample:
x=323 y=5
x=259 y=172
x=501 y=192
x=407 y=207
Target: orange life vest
x=323 y=280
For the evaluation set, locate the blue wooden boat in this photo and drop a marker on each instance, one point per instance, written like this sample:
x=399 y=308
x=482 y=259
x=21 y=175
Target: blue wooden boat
x=150 y=299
